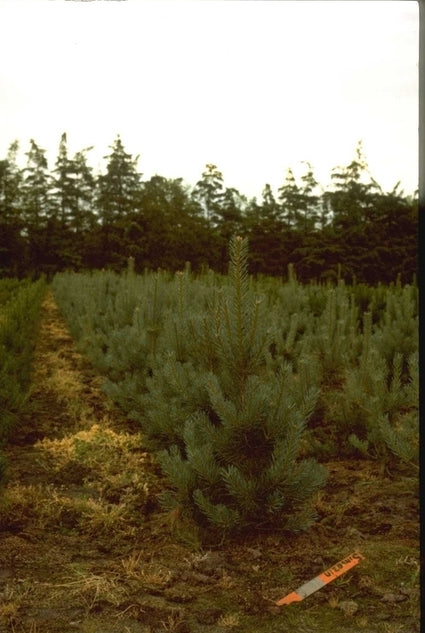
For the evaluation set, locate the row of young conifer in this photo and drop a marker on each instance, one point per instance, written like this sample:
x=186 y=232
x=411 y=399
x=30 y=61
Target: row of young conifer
x=20 y=303
x=243 y=386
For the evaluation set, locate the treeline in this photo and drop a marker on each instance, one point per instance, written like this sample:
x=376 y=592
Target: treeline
x=70 y=218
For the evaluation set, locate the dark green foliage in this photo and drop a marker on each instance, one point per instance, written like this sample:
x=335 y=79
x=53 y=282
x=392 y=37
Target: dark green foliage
x=118 y=188
x=70 y=218
x=167 y=230
x=299 y=205
x=72 y=198
x=18 y=328
x=209 y=192
x=11 y=224
x=37 y=210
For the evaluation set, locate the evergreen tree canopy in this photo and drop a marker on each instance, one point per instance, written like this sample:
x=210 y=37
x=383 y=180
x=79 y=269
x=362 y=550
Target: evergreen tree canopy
x=68 y=218
x=11 y=223
x=119 y=187
x=351 y=201
x=209 y=192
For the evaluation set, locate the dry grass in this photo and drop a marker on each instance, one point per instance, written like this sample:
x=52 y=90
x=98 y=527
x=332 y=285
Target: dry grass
x=21 y=504
x=88 y=589
x=93 y=445
x=98 y=449
x=131 y=565
x=229 y=621
x=114 y=486
x=65 y=383
x=112 y=467
x=134 y=567
x=12 y=598
x=172 y=623
x=32 y=628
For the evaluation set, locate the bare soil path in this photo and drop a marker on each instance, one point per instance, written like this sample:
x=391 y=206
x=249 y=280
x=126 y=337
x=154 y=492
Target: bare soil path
x=85 y=548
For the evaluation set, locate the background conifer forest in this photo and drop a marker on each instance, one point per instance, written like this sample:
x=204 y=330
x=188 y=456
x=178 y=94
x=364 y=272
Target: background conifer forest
x=66 y=217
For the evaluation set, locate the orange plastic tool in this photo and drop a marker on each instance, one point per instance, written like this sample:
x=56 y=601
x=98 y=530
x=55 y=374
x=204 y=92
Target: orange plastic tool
x=322 y=579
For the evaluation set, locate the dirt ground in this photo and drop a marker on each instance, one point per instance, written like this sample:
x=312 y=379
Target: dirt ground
x=84 y=546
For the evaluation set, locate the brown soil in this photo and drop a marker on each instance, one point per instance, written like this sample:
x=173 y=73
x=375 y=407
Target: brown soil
x=85 y=548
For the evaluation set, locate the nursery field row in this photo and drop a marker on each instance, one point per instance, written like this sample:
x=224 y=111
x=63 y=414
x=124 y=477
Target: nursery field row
x=9 y=286
x=85 y=545
x=238 y=382
x=19 y=312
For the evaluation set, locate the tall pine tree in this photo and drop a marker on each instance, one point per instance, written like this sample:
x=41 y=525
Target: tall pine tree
x=118 y=188
x=37 y=210
x=118 y=195
x=352 y=198
x=72 y=199
x=209 y=192
x=11 y=242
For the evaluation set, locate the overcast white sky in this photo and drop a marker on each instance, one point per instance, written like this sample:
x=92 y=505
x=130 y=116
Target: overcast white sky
x=251 y=86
